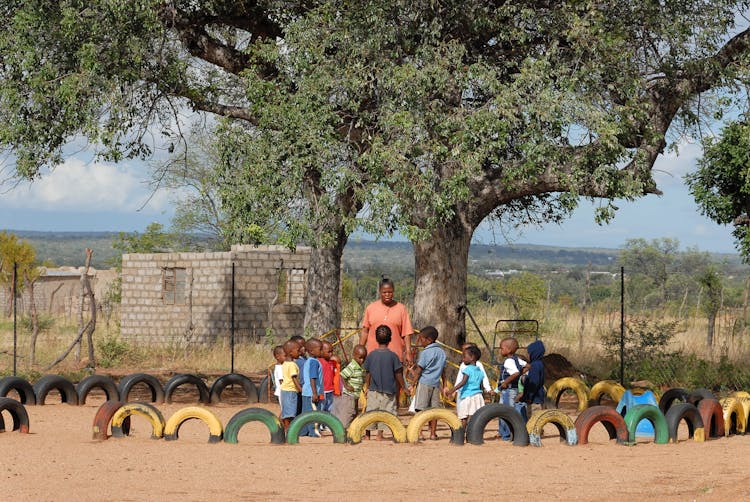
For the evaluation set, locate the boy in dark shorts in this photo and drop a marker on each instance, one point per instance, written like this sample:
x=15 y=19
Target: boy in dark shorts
x=384 y=377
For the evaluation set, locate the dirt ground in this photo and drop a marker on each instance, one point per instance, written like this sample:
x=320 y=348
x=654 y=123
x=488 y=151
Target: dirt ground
x=59 y=461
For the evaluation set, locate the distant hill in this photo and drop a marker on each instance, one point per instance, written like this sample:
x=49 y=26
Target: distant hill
x=360 y=256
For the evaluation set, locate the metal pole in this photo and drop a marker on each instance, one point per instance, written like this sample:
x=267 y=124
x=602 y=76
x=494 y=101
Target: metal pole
x=622 y=326
x=231 y=339
x=15 y=337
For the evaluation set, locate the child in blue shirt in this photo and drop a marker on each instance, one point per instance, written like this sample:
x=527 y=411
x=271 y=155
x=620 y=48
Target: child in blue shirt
x=470 y=385
x=429 y=374
x=312 y=387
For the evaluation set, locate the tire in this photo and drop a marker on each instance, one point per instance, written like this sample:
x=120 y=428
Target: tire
x=688 y=412
x=224 y=381
x=418 y=421
x=215 y=428
x=275 y=427
x=698 y=394
x=608 y=417
x=130 y=381
x=97 y=382
x=102 y=418
x=564 y=424
x=265 y=389
x=186 y=378
x=651 y=413
x=670 y=396
x=18 y=412
x=479 y=420
x=20 y=385
x=741 y=394
x=154 y=416
x=359 y=424
x=316 y=417
x=605 y=387
x=732 y=407
x=713 y=417
x=47 y=383
x=555 y=391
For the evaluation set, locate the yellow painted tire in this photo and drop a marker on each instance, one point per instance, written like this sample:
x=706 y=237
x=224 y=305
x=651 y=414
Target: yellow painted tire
x=745 y=402
x=732 y=406
x=154 y=416
x=357 y=427
x=418 y=421
x=582 y=391
x=215 y=428
x=605 y=387
x=563 y=422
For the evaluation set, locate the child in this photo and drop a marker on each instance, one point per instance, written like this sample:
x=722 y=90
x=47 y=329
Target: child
x=533 y=383
x=300 y=360
x=353 y=378
x=278 y=374
x=289 y=383
x=384 y=377
x=329 y=368
x=312 y=387
x=428 y=375
x=485 y=380
x=508 y=384
x=471 y=398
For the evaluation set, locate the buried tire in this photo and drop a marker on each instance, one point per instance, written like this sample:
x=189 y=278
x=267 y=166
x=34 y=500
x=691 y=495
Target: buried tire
x=605 y=388
x=215 y=428
x=449 y=417
x=651 y=413
x=24 y=389
x=479 y=420
x=275 y=427
x=64 y=386
x=102 y=382
x=713 y=417
x=104 y=415
x=692 y=417
x=695 y=396
x=608 y=417
x=18 y=412
x=735 y=420
x=316 y=417
x=564 y=424
x=359 y=425
x=153 y=383
x=186 y=378
x=670 y=396
x=224 y=381
x=558 y=388
x=154 y=417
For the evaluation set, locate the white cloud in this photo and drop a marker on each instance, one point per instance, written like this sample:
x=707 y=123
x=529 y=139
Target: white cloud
x=76 y=185
x=671 y=166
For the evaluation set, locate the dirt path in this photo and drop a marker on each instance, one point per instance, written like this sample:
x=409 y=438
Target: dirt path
x=59 y=461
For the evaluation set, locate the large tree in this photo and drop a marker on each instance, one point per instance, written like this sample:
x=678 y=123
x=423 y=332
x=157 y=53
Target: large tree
x=424 y=116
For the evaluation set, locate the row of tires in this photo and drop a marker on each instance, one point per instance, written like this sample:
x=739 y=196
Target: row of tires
x=76 y=394
x=718 y=418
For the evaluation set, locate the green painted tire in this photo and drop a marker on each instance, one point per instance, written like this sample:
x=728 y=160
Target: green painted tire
x=316 y=417
x=242 y=417
x=651 y=413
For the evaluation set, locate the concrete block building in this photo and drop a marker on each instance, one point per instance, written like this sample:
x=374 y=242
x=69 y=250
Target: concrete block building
x=180 y=298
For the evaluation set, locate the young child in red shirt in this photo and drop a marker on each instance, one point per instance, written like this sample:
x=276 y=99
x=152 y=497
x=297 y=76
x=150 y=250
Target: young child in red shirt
x=329 y=369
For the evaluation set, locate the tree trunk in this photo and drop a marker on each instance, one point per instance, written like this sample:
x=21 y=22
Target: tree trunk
x=440 y=267
x=322 y=313
x=34 y=322
x=710 y=333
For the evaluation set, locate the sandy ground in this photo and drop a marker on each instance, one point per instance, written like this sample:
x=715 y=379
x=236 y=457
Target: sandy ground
x=59 y=461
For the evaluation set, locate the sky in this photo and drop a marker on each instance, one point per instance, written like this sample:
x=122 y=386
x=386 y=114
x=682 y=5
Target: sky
x=85 y=195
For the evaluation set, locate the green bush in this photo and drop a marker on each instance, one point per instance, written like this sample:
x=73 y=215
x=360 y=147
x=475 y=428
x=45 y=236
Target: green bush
x=112 y=351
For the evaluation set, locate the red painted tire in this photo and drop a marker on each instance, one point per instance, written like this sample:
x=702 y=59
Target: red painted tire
x=608 y=417
x=18 y=411
x=713 y=417
x=104 y=416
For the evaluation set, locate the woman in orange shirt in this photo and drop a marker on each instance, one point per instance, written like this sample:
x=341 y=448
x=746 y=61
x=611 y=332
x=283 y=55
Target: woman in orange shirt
x=393 y=314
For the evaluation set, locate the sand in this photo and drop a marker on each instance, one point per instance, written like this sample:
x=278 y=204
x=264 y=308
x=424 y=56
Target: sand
x=58 y=460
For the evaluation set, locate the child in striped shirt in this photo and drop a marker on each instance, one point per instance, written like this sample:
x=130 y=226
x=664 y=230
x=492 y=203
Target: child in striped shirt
x=353 y=378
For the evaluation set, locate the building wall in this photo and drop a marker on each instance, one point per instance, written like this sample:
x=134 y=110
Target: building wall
x=264 y=299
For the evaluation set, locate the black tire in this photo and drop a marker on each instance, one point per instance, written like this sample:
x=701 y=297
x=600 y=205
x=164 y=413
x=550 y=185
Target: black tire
x=224 y=381
x=670 y=396
x=129 y=381
x=695 y=397
x=687 y=412
x=17 y=411
x=20 y=385
x=186 y=378
x=47 y=383
x=263 y=391
x=102 y=382
x=478 y=422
